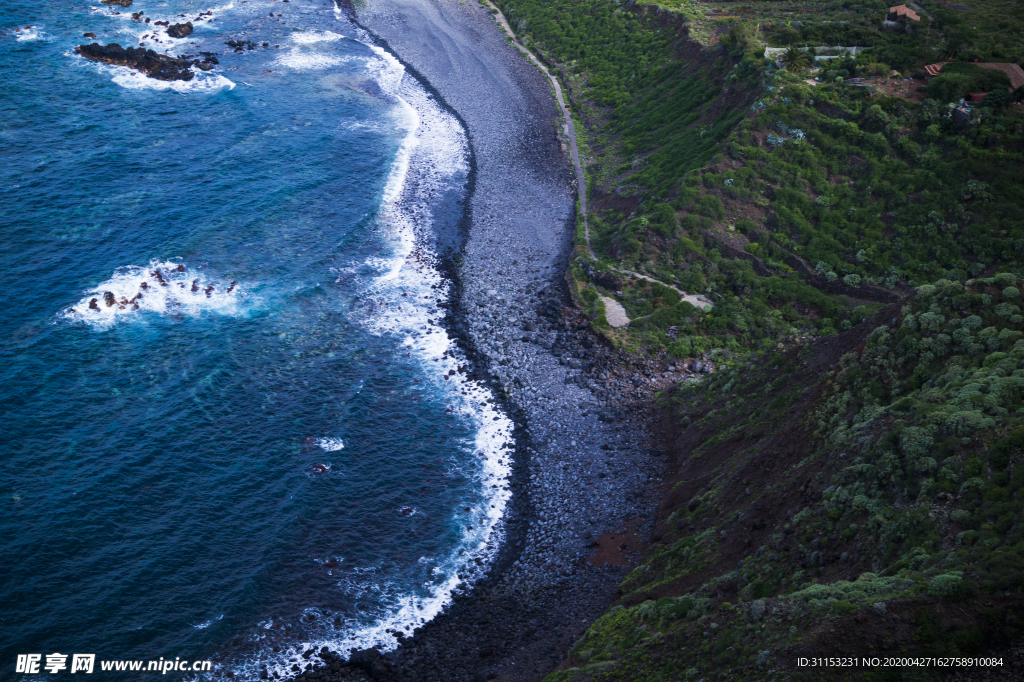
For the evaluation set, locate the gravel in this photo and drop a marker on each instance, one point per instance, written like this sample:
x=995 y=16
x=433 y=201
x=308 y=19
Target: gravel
x=586 y=456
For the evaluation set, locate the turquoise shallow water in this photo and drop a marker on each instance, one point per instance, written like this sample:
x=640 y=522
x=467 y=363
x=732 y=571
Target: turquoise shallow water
x=264 y=453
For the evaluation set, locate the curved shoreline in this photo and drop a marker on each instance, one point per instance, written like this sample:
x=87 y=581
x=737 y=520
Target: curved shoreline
x=581 y=468
x=456 y=316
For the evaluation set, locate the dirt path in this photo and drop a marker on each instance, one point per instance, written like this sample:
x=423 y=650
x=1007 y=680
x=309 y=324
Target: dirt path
x=569 y=128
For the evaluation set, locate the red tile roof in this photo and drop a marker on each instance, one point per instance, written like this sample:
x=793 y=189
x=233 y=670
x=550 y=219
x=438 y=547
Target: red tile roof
x=904 y=12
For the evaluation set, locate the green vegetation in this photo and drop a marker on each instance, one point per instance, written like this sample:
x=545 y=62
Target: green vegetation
x=791 y=205
x=907 y=460
x=959 y=79
x=814 y=201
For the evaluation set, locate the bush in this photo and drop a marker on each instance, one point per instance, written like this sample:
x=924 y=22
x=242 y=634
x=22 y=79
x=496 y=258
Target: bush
x=695 y=224
x=664 y=221
x=675 y=608
x=959 y=78
x=710 y=206
x=945 y=586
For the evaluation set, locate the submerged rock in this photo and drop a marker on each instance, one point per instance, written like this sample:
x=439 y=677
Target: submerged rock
x=180 y=30
x=122 y=3
x=155 y=65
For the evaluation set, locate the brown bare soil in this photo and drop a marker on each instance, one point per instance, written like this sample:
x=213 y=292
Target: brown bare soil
x=622 y=547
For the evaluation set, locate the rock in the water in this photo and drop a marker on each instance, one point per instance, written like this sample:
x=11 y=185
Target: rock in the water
x=155 y=65
x=122 y=3
x=89 y=35
x=180 y=30
x=108 y=298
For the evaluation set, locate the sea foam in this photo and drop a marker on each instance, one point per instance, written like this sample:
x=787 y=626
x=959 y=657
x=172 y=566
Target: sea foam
x=330 y=444
x=401 y=299
x=137 y=291
x=133 y=80
x=24 y=35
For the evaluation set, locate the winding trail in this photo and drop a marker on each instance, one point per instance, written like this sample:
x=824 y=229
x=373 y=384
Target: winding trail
x=569 y=128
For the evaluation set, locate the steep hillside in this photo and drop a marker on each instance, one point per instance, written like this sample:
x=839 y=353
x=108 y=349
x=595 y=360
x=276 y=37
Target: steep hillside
x=855 y=496
x=791 y=191
x=787 y=190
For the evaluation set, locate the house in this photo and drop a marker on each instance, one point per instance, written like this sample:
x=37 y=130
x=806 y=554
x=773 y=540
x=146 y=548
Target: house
x=902 y=14
x=1014 y=71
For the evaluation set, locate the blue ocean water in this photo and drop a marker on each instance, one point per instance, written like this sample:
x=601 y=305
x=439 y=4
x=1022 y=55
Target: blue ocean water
x=234 y=426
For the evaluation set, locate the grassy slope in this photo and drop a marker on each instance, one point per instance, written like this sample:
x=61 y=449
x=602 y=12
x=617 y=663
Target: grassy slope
x=850 y=484
x=715 y=173
x=868 y=484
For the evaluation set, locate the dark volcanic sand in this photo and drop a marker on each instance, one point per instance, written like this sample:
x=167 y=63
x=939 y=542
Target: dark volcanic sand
x=584 y=462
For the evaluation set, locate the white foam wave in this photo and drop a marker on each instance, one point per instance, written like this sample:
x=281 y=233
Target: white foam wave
x=28 y=34
x=310 y=37
x=203 y=626
x=330 y=444
x=304 y=55
x=301 y=60
x=402 y=300
x=134 y=291
x=203 y=82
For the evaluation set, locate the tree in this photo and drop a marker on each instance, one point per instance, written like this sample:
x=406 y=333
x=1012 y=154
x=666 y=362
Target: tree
x=997 y=100
x=955 y=43
x=795 y=60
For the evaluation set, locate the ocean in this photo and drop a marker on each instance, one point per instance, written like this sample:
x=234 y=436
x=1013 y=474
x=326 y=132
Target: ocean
x=235 y=426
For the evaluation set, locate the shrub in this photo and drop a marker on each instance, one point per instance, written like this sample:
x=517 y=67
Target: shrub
x=675 y=608
x=946 y=586
x=745 y=225
x=959 y=78
x=710 y=206
x=844 y=607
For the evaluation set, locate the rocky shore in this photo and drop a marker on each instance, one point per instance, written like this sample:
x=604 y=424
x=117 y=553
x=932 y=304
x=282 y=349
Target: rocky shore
x=588 y=458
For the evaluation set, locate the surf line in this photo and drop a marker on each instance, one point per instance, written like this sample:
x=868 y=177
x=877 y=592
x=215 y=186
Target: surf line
x=492 y=440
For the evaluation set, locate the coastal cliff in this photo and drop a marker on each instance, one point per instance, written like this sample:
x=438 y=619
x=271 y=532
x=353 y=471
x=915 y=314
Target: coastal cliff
x=830 y=481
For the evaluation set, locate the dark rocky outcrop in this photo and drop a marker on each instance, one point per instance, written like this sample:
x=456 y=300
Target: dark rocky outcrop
x=153 y=64
x=180 y=30
x=122 y=3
